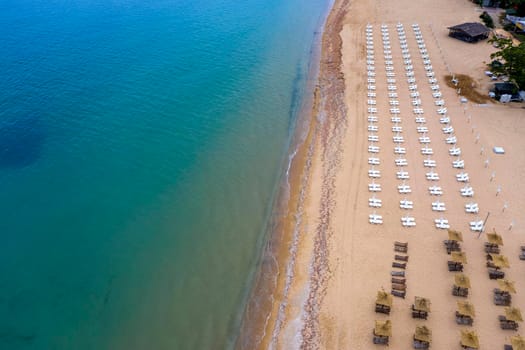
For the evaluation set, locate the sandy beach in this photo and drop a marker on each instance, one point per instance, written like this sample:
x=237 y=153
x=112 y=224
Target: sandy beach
x=325 y=298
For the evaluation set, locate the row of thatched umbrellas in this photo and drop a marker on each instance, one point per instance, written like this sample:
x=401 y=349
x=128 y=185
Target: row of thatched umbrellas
x=466 y=311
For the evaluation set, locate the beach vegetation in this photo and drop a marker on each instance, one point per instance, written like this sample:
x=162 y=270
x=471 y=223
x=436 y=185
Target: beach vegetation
x=487 y=19
x=466 y=86
x=512 y=58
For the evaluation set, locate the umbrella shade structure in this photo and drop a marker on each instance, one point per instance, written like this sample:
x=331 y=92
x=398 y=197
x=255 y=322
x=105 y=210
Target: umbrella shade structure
x=422 y=304
x=518 y=342
x=465 y=308
x=469 y=339
x=423 y=333
x=513 y=314
x=459 y=257
x=500 y=260
x=384 y=298
x=494 y=238
x=461 y=280
x=383 y=328
x=507 y=286
x=454 y=235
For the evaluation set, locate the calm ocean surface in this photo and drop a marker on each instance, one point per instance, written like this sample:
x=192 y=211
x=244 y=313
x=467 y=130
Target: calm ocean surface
x=141 y=146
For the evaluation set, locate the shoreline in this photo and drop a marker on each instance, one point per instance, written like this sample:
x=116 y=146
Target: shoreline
x=262 y=318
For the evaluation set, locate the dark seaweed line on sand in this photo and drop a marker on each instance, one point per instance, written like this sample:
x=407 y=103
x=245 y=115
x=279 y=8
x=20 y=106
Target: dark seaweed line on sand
x=331 y=128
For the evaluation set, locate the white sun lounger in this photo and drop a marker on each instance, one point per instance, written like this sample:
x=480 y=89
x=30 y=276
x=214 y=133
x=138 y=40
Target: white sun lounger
x=373 y=149
x=442 y=224
x=395 y=110
x=398 y=139
x=404 y=189
x=428 y=68
x=390 y=74
x=418 y=110
x=371 y=102
x=409 y=67
x=437 y=95
x=411 y=80
x=409 y=74
x=373 y=173
x=406 y=56
x=395 y=119
x=458 y=164
x=424 y=139
x=389 y=62
x=448 y=130
x=392 y=95
x=434 y=87
x=430 y=74
x=412 y=87
x=371 y=80
x=375 y=203
x=427 y=151
x=375 y=219
x=371 y=94
x=435 y=190
x=416 y=102
x=371 y=74
x=476 y=226
x=394 y=102
x=438 y=206
x=421 y=120
x=371 y=87
x=408 y=221
x=462 y=177
x=373 y=161
x=432 y=176
x=414 y=94
x=391 y=80
x=372 y=110
x=406 y=204
x=372 y=127
x=391 y=88
x=400 y=150
x=373 y=119
x=422 y=129
x=454 y=151
x=401 y=162
x=397 y=128
x=472 y=208
x=439 y=103
x=467 y=191
x=373 y=138
x=444 y=120
x=389 y=68
x=402 y=175
x=429 y=163
x=373 y=187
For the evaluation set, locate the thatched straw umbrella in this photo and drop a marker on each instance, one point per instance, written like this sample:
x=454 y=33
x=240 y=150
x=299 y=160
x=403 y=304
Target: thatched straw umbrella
x=423 y=333
x=500 y=261
x=383 y=328
x=461 y=280
x=465 y=308
x=454 y=235
x=422 y=304
x=469 y=339
x=513 y=314
x=518 y=342
x=494 y=238
x=383 y=298
x=459 y=257
x=506 y=286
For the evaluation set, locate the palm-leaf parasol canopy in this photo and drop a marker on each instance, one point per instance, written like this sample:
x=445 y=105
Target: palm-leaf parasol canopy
x=461 y=280
x=383 y=328
x=423 y=333
x=454 y=235
x=383 y=298
x=459 y=257
x=518 y=342
x=494 y=238
x=513 y=314
x=506 y=286
x=465 y=308
x=469 y=339
x=422 y=304
x=500 y=260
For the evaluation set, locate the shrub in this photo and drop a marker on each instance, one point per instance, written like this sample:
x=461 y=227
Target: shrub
x=487 y=19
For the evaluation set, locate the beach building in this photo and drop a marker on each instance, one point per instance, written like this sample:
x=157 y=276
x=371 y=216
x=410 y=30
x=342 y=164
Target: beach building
x=470 y=32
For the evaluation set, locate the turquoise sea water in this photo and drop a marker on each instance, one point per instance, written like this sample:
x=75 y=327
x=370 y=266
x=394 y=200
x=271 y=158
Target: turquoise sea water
x=141 y=146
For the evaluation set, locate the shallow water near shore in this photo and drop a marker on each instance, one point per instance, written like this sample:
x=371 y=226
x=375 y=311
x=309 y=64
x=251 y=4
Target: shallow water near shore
x=141 y=147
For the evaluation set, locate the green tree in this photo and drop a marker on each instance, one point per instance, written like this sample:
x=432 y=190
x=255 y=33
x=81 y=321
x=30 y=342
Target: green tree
x=512 y=58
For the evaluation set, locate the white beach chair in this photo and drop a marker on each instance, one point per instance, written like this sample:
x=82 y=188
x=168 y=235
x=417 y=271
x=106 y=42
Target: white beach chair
x=462 y=177
x=412 y=87
x=416 y=102
x=371 y=102
x=371 y=74
x=437 y=95
x=427 y=151
x=439 y=103
x=448 y=130
x=422 y=129
x=472 y=208
x=395 y=119
x=458 y=164
x=371 y=94
x=426 y=62
x=442 y=224
x=429 y=68
x=409 y=74
x=438 y=206
x=406 y=204
x=421 y=120
x=476 y=226
x=397 y=128
x=444 y=120
x=392 y=94
x=454 y=151
x=391 y=87
x=401 y=162
x=373 y=187
x=429 y=163
x=434 y=87
x=398 y=139
x=414 y=94
x=373 y=149
x=374 y=202
x=467 y=191
x=395 y=110
x=394 y=102
x=373 y=138
x=372 y=127
x=372 y=110
x=390 y=74
x=373 y=161
x=432 y=80
x=432 y=176
x=408 y=221
x=373 y=173
x=402 y=175
x=435 y=190
x=375 y=219
x=373 y=119
x=424 y=139
x=431 y=75
x=400 y=150
x=371 y=87
x=404 y=189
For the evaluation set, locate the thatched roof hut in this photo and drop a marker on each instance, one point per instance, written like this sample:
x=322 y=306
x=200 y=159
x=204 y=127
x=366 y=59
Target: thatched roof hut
x=470 y=32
